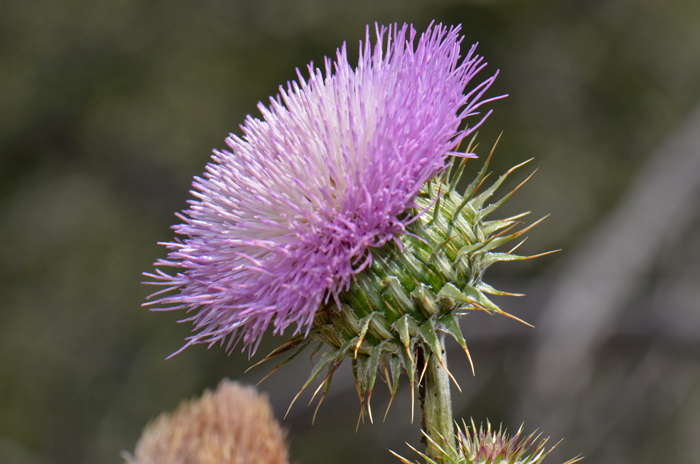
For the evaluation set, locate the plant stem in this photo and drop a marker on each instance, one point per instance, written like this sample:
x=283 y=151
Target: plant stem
x=436 y=405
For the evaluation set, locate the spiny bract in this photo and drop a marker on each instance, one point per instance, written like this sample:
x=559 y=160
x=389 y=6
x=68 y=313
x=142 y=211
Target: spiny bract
x=395 y=309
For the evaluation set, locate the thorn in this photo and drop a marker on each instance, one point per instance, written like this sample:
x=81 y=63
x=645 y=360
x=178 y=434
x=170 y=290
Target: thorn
x=292 y=404
x=273 y=353
x=500 y=311
x=542 y=254
x=357 y=383
x=510 y=171
x=404 y=460
x=516 y=246
x=469 y=357
x=493 y=149
x=436 y=445
x=391 y=400
x=410 y=356
x=319 y=404
x=359 y=342
x=385 y=374
x=444 y=366
x=268 y=375
x=512 y=294
x=413 y=399
x=526 y=179
x=504 y=231
x=522 y=231
x=420 y=453
x=482 y=181
x=517 y=319
x=369 y=407
x=319 y=389
x=517 y=216
x=425 y=368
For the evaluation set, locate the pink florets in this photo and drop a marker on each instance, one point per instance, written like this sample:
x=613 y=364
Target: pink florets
x=286 y=218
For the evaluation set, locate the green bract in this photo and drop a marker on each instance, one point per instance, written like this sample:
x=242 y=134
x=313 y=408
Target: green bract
x=393 y=312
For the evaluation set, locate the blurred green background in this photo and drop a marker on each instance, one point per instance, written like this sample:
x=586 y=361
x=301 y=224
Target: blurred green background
x=109 y=107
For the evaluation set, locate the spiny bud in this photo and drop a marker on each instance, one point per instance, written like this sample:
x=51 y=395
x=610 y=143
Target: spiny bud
x=490 y=447
x=417 y=285
x=233 y=425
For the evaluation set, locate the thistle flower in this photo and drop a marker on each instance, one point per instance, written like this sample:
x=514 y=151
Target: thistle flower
x=286 y=220
x=398 y=309
x=233 y=425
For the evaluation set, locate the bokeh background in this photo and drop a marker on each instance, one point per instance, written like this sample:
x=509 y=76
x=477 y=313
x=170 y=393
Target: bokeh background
x=109 y=107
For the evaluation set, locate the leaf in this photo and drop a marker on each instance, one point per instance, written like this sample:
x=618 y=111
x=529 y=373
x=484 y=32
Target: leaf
x=480 y=300
x=486 y=288
x=401 y=327
x=451 y=326
x=395 y=367
x=427 y=330
x=373 y=367
x=394 y=288
x=475 y=296
x=490 y=258
x=408 y=363
x=450 y=291
x=469 y=249
x=423 y=294
x=365 y=325
x=379 y=327
x=359 y=369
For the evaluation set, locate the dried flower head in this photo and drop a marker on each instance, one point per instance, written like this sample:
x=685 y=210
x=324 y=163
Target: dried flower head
x=286 y=219
x=232 y=425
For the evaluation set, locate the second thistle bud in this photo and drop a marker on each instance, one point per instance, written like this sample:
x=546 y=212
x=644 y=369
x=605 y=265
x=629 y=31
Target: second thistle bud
x=487 y=446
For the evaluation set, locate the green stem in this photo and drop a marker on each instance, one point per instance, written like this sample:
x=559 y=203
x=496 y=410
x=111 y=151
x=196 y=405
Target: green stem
x=436 y=405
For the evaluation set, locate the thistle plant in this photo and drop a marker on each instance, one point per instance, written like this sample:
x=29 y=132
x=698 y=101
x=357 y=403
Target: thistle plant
x=339 y=214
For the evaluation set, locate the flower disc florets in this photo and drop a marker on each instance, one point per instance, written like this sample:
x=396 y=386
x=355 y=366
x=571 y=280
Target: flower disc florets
x=286 y=218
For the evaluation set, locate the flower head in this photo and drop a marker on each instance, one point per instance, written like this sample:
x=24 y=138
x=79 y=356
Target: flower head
x=286 y=218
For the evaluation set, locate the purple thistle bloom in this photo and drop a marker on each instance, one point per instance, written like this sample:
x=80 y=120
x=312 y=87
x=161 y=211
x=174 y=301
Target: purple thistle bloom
x=286 y=218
